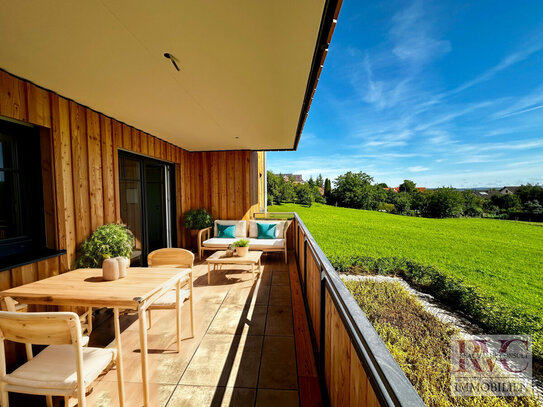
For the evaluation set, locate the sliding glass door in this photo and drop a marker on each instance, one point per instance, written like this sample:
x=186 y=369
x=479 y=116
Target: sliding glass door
x=147 y=203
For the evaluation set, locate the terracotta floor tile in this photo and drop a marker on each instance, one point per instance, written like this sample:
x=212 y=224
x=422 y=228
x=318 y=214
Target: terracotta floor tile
x=279 y=320
x=274 y=398
x=197 y=396
x=278 y=365
x=235 y=319
x=280 y=295
x=280 y=278
x=225 y=360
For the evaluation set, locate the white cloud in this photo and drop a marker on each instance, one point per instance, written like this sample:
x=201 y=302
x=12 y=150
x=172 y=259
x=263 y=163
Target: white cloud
x=417 y=168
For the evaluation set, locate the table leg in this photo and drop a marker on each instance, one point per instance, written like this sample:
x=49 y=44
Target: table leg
x=178 y=314
x=119 y=361
x=191 y=307
x=143 y=350
x=208 y=273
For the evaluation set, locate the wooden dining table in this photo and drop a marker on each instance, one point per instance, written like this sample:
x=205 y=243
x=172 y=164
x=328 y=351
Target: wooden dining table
x=86 y=288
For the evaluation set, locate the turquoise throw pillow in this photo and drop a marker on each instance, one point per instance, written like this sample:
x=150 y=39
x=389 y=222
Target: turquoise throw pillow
x=226 y=231
x=266 y=230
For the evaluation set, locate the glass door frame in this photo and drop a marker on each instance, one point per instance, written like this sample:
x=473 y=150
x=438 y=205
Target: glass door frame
x=169 y=193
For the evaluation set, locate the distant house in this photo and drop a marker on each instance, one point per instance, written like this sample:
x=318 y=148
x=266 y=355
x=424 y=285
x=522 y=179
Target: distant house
x=486 y=193
x=508 y=190
x=397 y=189
x=297 y=178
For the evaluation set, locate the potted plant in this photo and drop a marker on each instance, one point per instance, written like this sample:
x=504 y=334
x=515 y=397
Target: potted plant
x=196 y=220
x=107 y=241
x=242 y=247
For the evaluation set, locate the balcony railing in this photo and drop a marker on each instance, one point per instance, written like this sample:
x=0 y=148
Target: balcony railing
x=355 y=366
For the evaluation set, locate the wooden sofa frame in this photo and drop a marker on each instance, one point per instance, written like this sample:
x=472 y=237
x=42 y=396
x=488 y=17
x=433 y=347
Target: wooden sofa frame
x=205 y=234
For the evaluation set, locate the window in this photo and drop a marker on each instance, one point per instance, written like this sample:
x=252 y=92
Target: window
x=22 y=224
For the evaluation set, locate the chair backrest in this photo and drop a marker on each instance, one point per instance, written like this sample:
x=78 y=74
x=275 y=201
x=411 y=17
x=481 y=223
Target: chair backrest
x=171 y=257
x=40 y=328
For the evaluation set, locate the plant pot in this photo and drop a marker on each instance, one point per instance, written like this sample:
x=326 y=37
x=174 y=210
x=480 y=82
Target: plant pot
x=194 y=238
x=242 y=251
x=110 y=269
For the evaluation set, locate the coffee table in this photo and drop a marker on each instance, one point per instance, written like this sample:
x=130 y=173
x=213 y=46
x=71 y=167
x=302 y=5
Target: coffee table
x=218 y=259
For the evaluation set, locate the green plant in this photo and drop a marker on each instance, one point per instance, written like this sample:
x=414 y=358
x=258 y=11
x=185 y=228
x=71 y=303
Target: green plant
x=113 y=240
x=241 y=243
x=419 y=342
x=197 y=219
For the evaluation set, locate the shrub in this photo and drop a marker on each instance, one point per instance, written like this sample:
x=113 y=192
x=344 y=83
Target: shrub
x=112 y=240
x=197 y=219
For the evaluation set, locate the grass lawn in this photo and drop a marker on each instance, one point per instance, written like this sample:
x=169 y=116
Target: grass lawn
x=503 y=258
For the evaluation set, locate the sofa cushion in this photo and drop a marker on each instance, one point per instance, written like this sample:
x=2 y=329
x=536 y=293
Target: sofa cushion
x=266 y=230
x=219 y=243
x=265 y=244
x=226 y=231
x=54 y=368
x=253 y=228
x=241 y=227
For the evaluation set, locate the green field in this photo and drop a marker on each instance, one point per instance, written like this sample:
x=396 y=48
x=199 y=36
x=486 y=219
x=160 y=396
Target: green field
x=502 y=258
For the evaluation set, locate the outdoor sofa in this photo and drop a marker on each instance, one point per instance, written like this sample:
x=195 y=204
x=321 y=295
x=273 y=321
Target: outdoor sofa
x=244 y=231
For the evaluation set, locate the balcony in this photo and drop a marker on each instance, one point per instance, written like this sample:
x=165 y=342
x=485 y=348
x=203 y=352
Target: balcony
x=293 y=336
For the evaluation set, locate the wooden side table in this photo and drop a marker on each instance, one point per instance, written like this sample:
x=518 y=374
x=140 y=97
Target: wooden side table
x=218 y=259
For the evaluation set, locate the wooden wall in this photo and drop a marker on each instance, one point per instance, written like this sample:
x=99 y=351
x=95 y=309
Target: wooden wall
x=83 y=167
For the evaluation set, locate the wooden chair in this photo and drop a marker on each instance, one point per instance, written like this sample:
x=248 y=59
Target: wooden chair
x=64 y=368
x=173 y=257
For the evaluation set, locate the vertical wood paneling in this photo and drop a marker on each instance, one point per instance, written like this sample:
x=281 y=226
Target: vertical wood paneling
x=127 y=137
x=108 y=174
x=314 y=294
x=144 y=143
x=96 y=196
x=151 y=146
x=12 y=97
x=62 y=148
x=80 y=167
x=117 y=136
x=136 y=141
x=39 y=108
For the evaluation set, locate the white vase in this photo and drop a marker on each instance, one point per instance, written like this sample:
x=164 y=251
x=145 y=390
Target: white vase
x=242 y=251
x=124 y=263
x=110 y=269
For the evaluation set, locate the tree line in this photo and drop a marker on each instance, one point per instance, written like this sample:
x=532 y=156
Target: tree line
x=358 y=190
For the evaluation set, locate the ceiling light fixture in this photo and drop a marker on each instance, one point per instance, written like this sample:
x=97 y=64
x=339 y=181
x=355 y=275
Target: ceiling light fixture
x=169 y=56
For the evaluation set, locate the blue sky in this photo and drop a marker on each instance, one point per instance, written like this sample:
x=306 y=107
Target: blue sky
x=443 y=93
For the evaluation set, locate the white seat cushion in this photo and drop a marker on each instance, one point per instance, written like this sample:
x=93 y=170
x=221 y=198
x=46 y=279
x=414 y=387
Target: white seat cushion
x=241 y=227
x=54 y=368
x=168 y=299
x=215 y=242
x=253 y=228
x=264 y=244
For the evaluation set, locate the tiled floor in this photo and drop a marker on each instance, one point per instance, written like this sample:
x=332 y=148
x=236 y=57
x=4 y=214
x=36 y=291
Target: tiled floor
x=243 y=352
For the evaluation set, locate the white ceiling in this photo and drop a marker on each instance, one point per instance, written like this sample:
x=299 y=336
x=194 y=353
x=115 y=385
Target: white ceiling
x=244 y=63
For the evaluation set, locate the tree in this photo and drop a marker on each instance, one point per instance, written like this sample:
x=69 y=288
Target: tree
x=274 y=188
x=408 y=186
x=507 y=203
x=402 y=203
x=311 y=182
x=354 y=190
x=444 y=202
x=328 y=191
x=473 y=205
x=286 y=192
x=319 y=182
x=304 y=194
x=530 y=193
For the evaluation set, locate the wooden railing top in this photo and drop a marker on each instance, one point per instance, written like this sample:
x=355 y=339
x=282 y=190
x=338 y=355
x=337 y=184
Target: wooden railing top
x=387 y=378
